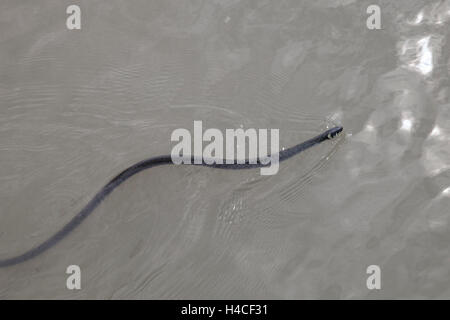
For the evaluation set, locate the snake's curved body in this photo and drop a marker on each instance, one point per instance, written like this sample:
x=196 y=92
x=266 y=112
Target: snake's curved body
x=143 y=165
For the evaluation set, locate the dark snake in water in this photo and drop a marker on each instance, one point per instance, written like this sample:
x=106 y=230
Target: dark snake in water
x=146 y=164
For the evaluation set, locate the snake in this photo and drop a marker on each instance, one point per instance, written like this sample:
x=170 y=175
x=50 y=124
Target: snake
x=147 y=164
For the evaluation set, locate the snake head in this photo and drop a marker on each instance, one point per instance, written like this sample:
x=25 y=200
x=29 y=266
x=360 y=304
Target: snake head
x=333 y=132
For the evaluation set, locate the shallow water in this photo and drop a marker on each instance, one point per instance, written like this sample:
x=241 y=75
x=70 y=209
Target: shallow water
x=77 y=107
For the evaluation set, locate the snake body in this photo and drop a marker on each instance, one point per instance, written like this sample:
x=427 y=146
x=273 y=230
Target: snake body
x=143 y=165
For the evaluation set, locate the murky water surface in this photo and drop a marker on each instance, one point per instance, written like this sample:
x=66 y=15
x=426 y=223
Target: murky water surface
x=77 y=107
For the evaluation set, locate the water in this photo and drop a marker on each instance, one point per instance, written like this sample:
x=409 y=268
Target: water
x=77 y=107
